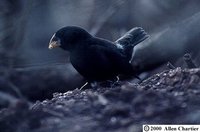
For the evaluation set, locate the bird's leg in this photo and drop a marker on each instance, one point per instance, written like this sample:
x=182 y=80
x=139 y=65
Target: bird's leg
x=109 y=83
x=115 y=82
x=117 y=79
x=85 y=84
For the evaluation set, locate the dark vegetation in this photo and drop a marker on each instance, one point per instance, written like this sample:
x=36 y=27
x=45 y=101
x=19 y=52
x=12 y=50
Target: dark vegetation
x=30 y=72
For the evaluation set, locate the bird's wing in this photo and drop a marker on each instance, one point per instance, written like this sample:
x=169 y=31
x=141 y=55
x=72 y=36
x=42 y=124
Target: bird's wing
x=116 y=59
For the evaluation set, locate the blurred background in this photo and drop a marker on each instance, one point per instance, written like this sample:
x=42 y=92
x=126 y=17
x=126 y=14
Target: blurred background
x=29 y=69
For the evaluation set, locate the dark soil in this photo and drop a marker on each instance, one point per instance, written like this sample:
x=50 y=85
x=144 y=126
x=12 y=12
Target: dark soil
x=170 y=97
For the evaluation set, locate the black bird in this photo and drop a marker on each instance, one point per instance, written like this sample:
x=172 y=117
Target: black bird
x=98 y=59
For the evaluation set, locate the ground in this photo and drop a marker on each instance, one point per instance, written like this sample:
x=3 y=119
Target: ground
x=169 y=97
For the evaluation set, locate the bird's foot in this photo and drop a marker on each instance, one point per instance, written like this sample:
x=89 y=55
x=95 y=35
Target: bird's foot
x=111 y=83
x=107 y=83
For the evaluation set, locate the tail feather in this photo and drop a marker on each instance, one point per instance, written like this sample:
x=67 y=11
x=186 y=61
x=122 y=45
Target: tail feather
x=130 y=40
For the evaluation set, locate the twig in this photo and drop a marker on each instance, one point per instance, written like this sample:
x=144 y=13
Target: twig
x=188 y=60
x=170 y=66
x=16 y=90
x=8 y=98
x=84 y=85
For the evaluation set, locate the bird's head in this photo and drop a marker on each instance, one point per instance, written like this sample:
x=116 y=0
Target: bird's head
x=68 y=37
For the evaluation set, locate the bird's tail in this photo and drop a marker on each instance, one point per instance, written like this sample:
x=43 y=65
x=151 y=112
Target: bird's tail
x=130 y=40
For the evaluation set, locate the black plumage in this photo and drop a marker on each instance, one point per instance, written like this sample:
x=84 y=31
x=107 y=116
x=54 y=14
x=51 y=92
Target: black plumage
x=98 y=59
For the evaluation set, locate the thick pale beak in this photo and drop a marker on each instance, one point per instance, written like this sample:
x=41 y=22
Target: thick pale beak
x=54 y=42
